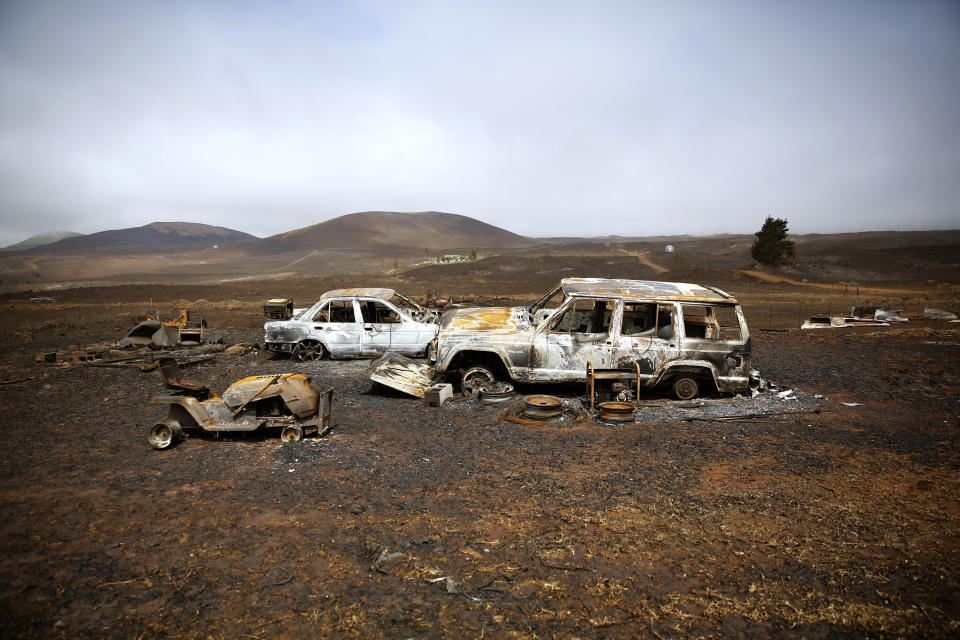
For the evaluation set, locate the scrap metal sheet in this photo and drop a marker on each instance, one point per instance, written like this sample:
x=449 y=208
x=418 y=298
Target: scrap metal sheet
x=403 y=374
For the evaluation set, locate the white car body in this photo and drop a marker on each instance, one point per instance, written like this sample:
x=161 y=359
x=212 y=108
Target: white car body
x=354 y=323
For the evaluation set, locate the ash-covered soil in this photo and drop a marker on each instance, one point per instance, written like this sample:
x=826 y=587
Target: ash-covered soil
x=791 y=517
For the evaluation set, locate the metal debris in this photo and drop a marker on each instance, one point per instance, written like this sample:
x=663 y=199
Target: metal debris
x=615 y=411
x=495 y=392
x=570 y=414
x=881 y=314
x=284 y=401
x=542 y=407
x=933 y=313
x=278 y=308
x=403 y=374
x=840 y=322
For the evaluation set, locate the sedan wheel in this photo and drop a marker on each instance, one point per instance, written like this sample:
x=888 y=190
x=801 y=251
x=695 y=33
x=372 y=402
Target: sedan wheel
x=308 y=351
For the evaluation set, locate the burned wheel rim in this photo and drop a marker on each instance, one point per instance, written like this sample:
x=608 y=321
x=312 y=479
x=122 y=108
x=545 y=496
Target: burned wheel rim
x=163 y=434
x=292 y=433
x=542 y=407
x=308 y=351
x=494 y=392
x=616 y=411
x=685 y=388
x=475 y=378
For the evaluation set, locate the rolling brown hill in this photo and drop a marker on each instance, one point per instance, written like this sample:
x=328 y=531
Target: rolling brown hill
x=431 y=230
x=41 y=239
x=150 y=237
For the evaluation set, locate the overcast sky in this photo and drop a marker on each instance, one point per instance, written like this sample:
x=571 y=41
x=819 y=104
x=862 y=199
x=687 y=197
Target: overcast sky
x=545 y=118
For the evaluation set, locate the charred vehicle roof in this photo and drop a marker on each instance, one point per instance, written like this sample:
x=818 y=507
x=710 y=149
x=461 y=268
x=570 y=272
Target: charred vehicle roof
x=641 y=290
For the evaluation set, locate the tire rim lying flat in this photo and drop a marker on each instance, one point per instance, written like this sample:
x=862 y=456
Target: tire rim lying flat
x=617 y=411
x=541 y=407
x=495 y=392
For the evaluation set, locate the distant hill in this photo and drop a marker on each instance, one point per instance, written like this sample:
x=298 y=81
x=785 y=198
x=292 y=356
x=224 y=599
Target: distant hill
x=150 y=237
x=41 y=239
x=431 y=230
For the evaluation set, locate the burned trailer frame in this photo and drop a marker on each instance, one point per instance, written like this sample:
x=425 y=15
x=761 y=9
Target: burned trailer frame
x=675 y=334
x=354 y=323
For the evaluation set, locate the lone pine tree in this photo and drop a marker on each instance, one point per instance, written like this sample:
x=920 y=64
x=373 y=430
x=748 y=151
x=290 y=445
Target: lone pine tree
x=771 y=245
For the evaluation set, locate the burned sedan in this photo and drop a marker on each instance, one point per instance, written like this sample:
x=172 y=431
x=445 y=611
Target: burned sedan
x=354 y=323
x=674 y=335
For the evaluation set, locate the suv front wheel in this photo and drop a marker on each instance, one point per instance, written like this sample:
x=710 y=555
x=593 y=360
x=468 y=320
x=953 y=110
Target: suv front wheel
x=474 y=378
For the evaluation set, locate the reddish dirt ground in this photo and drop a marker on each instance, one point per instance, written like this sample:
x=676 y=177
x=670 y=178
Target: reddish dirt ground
x=752 y=517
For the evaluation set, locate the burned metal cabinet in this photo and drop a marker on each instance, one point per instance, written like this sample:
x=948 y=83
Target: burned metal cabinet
x=278 y=308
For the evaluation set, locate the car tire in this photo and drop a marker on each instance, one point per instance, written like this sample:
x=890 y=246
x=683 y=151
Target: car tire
x=685 y=388
x=309 y=350
x=164 y=435
x=292 y=433
x=473 y=378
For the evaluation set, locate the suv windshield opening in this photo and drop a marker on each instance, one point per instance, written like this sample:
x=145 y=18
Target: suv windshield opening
x=545 y=306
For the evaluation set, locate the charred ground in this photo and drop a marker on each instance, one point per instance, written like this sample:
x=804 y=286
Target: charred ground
x=768 y=516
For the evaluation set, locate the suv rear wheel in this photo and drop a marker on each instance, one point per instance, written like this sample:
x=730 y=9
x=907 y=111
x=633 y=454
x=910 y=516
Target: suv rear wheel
x=685 y=388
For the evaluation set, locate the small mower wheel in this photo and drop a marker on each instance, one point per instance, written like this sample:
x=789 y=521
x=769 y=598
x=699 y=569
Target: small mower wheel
x=292 y=433
x=474 y=378
x=164 y=434
x=308 y=351
x=685 y=388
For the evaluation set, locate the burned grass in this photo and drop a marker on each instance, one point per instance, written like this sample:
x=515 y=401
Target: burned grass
x=769 y=516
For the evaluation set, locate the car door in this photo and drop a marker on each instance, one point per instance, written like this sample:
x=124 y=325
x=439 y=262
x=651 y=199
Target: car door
x=407 y=336
x=647 y=336
x=581 y=331
x=335 y=325
x=379 y=321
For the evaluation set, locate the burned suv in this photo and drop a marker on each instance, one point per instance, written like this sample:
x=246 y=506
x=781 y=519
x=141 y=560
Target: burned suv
x=675 y=335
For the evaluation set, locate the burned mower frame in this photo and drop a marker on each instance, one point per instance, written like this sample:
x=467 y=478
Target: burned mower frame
x=283 y=401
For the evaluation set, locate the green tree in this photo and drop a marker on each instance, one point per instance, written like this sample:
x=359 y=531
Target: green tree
x=771 y=245
x=473 y=255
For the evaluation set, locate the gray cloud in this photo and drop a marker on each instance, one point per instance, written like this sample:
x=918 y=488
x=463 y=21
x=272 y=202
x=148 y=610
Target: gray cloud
x=545 y=118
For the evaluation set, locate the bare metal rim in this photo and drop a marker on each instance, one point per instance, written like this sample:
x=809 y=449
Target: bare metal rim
x=542 y=406
x=617 y=411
